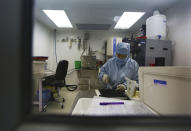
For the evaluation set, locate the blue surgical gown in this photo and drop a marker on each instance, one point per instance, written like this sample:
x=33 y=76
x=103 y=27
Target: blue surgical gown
x=117 y=72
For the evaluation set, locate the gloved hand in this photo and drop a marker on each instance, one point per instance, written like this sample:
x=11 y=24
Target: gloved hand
x=105 y=78
x=121 y=87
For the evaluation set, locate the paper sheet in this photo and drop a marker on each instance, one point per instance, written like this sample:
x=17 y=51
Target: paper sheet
x=128 y=108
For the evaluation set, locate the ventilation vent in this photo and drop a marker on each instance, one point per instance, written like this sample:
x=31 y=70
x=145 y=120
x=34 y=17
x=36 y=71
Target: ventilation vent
x=93 y=26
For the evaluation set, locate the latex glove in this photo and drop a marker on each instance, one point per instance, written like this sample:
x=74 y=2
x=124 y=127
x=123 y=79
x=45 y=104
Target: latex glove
x=105 y=78
x=121 y=87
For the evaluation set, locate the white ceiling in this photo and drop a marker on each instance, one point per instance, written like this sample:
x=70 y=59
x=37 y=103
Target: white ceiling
x=99 y=11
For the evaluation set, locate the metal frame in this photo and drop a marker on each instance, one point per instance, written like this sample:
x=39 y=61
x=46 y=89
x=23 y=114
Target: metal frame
x=39 y=102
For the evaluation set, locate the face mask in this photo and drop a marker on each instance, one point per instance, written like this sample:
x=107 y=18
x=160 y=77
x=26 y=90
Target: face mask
x=121 y=61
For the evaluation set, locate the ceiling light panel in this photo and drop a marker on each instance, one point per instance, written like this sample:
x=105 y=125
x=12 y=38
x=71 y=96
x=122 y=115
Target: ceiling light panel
x=128 y=19
x=59 y=18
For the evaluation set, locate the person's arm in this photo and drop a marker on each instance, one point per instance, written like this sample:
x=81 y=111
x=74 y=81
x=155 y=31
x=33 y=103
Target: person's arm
x=134 y=78
x=103 y=70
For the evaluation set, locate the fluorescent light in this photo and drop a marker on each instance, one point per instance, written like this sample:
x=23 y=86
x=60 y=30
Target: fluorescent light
x=128 y=19
x=59 y=18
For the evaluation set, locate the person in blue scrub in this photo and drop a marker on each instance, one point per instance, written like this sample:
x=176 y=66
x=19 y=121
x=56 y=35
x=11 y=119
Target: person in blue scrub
x=118 y=71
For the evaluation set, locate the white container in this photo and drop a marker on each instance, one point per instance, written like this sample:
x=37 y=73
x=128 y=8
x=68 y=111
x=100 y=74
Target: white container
x=166 y=90
x=38 y=67
x=156 y=26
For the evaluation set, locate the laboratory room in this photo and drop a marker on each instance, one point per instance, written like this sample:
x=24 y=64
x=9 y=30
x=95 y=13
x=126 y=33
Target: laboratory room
x=111 y=58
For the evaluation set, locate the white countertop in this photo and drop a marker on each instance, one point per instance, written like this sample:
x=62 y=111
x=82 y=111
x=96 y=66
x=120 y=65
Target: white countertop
x=90 y=106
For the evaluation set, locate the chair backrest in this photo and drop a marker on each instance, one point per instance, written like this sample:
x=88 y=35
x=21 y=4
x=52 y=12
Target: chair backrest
x=61 y=70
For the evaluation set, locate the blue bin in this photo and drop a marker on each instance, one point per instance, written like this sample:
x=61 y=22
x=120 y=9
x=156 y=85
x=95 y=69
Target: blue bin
x=46 y=94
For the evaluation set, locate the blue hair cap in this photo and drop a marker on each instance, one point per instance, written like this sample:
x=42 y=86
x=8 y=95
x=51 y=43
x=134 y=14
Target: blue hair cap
x=123 y=48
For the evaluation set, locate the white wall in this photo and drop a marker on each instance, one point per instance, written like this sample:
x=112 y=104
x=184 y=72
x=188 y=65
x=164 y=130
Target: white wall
x=98 y=38
x=44 y=44
x=42 y=38
x=63 y=51
x=179 y=26
x=96 y=42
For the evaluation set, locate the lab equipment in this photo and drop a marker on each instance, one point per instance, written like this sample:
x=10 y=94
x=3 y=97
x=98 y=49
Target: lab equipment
x=131 y=83
x=151 y=52
x=112 y=44
x=132 y=86
x=158 y=53
x=111 y=103
x=131 y=90
x=166 y=89
x=88 y=62
x=141 y=32
x=156 y=26
x=113 y=93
